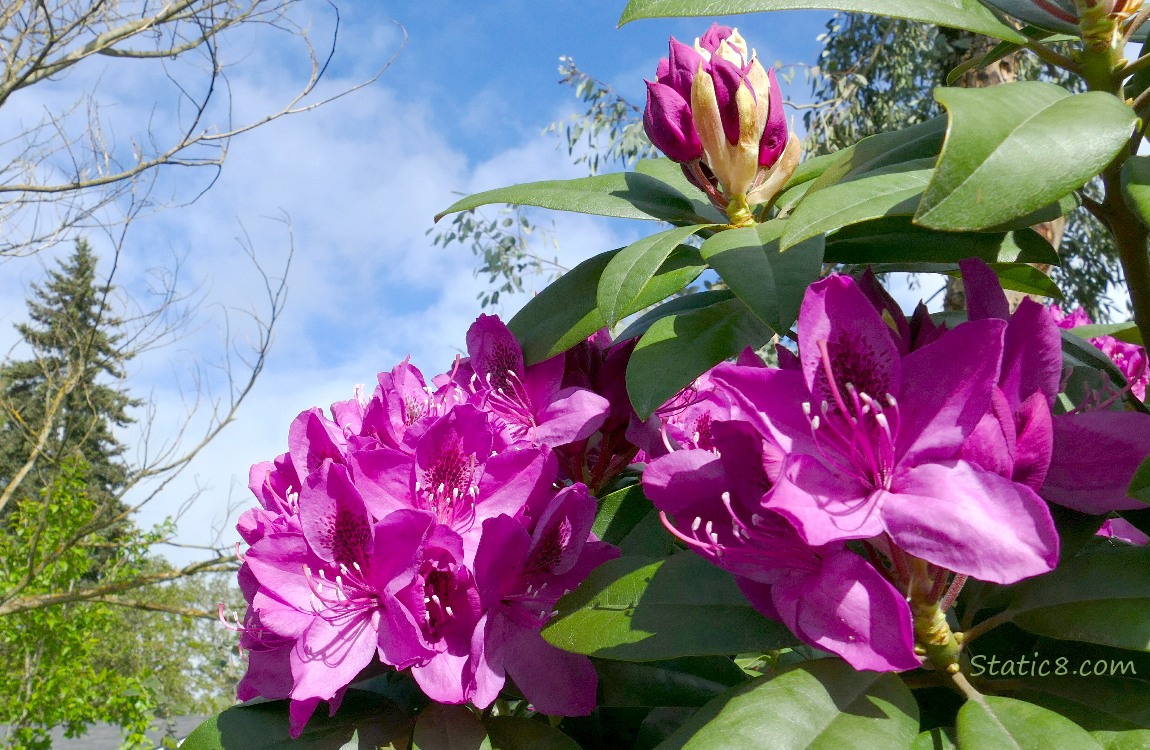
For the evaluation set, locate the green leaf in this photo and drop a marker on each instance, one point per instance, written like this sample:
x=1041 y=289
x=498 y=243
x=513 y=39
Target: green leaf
x=896 y=239
x=1101 y=596
x=680 y=347
x=690 y=681
x=1139 y=487
x=443 y=727
x=624 y=195
x=935 y=739
x=628 y=277
x=1122 y=331
x=670 y=173
x=995 y=722
x=264 y=726
x=891 y=191
x=1136 y=186
x=685 y=303
x=819 y=705
x=1015 y=148
x=1027 y=279
x=510 y=733
x=768 y=281
x=563 y=314
x=1133 y=739
x=957 y=14
x=619 y=513
x=566 y=312
x=1108 y=704
x=649 y=538
x=644 y=609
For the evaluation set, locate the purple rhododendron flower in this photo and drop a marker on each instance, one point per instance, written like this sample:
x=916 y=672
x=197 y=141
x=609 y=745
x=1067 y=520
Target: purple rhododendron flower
x=1130 y=359
x=529 y=402
x=874 y=441
x=521 y=573
x=827 y=595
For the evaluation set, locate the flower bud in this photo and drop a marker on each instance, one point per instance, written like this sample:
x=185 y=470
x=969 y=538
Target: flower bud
x=714 y=109
x=1085 y=17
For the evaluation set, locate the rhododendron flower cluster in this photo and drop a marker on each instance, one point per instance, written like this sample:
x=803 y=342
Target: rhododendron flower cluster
x=1130 y=359
x=854 y=489
x=425 y=528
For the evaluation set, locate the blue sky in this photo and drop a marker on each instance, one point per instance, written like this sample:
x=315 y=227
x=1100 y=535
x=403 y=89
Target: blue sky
x=462 y=109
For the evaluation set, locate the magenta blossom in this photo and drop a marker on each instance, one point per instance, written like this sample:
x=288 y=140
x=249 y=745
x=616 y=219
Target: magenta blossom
x=874 y=441
x=522 y=572
x=528 y=402
x=1130 y=359
x=827 y=595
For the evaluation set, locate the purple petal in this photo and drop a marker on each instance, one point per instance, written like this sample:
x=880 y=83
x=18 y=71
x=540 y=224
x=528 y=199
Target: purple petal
x=1035 y=445
x=442 y=678
x=1095 y=457
x=984 y=296
x=574 y=414
x=971 y=521
x=774 y=138
x=485 y=666
x=848 y=608
x=313 y=438
x=684 y=478
x=331 y=654
x=399 y=538
x=861 y=349
x=494 y=350
x=715 y=36
x=515 y=480
x=946 y=390
x=728 y=77
x=384 y=478
x=1123 y=531
x=992 y=444
x=772 y=401
x=561 y=532
x=334 y=518
x=682 y=64
x=1031 y=355
x=670 y=125
x=823 y=504
x=554 y=681
x=884 y=303
x=499 y=560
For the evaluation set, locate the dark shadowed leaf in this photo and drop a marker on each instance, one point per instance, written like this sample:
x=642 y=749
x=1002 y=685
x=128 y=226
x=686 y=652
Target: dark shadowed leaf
x=443 y=727
x=509 y=733
x=690 y=681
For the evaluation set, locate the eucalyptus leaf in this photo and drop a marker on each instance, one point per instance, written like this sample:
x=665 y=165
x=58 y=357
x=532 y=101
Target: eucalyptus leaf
x=264 y=726
x=630 y=274
x=680 y=347
x=1099 y=596
x=958 y=14
x=995 y=722
x=646 y=609
x=624 y=195
x=1015 y=148
x=769 y=281
x=819 y=705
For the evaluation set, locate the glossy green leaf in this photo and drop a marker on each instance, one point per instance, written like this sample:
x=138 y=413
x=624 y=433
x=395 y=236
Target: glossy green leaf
x=649 y=537
x=768 y=281
x=644 y=609
x=630 y=274
x=958 y=14
x=819 y=705
x=897 y=240
x=1009 y=724
x=1101 y=596
x=690 y=681
x=1139 y=487
x=566 y=311
x=686 y=303
x=892 y=191
x=624 y=195
x=1122 y=331
x=1027 y=279
x=680 y=347
x=619 y=512
x=935 y=739
x=264 y=726
x=1136 y=186
x=1015 y=148
x=1132 y=739
x=670 y=173
x=509 y=733
x=1095 y=703
x=444 y=727
x=563 y=314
